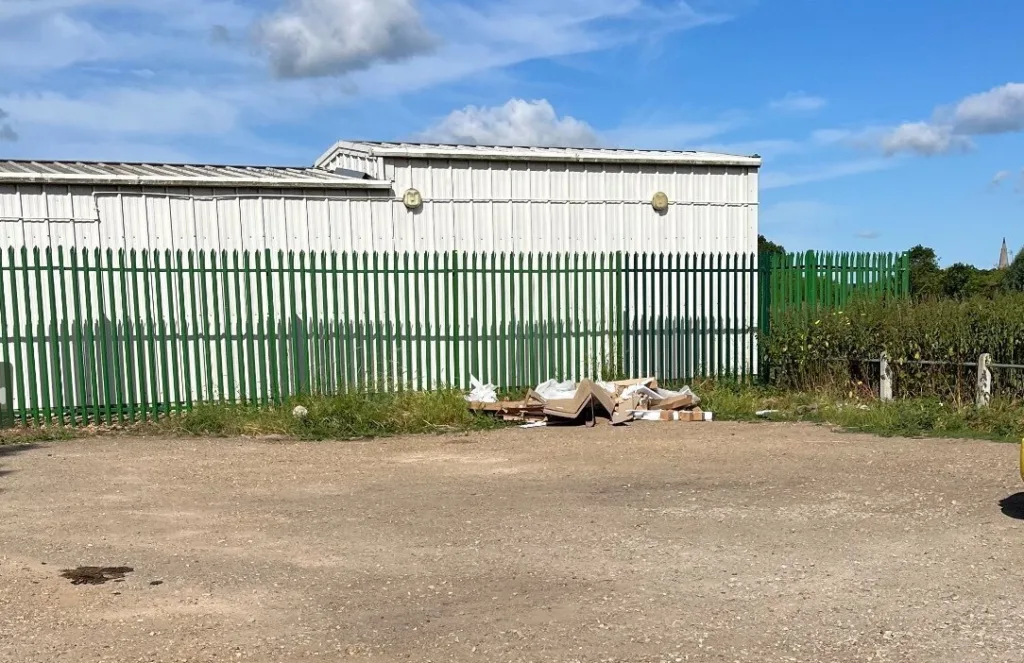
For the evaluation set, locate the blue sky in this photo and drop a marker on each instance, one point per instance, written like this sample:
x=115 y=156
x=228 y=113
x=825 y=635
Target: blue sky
x=882 y=124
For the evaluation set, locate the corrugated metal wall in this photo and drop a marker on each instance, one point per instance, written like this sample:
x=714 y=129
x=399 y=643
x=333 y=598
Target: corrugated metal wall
x=533 y=206
x=468 y=206
x=189 y=218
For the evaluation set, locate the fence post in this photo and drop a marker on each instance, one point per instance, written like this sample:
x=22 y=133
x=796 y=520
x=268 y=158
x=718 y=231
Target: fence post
x=983 y=395
x=885 y=383
x=766 y=266
x=6 y=393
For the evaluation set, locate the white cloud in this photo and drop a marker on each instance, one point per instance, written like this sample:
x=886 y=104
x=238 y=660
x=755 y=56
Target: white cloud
x=125 y=111
x=68 y=41
x=537 y=123
x=781 y=179
x=999 y=178
x=868 y=234
x=312 y=38
x=518 y=122
x=134 y=73
x=997 y=111
x=923 y=139
x=799 y=102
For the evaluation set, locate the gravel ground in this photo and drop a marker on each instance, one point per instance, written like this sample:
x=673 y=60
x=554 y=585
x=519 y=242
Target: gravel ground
x=657 y=542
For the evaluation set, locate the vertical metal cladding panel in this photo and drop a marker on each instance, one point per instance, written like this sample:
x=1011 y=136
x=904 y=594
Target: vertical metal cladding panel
x=504 y=235
x=274 y=221
x=207 y=225
x=228 y=212
x=83 y=210
x=381 y=222
x=319 y=221
x=296 y=224
x=472 y=187
x=59 y=205
x=12 y=229
x=253 y=224
x=33 y=210
x=157 y=217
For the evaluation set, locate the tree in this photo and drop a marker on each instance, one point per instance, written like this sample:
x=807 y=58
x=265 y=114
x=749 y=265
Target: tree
x=961 y=281
x=1014 y=278
x=925 y=275
x=765 y=245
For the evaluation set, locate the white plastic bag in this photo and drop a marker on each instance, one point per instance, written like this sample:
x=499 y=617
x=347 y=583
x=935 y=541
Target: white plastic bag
x=553 y=390
x=482 y=393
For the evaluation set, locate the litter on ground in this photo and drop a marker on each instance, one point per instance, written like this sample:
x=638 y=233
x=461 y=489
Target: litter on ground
x=588 y=401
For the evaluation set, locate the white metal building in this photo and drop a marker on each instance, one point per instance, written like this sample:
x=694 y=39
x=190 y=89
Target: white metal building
x=354 y=199
x=64 y=323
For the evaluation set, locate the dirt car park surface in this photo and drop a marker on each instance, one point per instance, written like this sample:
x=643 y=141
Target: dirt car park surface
x=658 y=542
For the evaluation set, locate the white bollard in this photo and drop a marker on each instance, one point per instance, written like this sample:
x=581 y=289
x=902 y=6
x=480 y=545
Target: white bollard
x=984 y=391
x=885 y=382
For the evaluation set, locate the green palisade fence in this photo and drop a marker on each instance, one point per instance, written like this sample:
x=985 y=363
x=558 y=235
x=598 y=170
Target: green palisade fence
x=102 y=336
x=815 y=280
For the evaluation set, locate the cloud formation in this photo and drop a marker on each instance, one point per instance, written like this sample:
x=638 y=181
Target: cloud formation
x=314 y=38
x=868 y=234
x=924 y=139
x=999 y=178
x=189 y=77
x=518 y=122
x=7 y=133
x=799 y=102
x=997 y=111
x=778 y=179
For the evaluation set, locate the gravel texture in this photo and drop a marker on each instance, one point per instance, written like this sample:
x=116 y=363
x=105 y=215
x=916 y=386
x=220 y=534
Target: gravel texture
x=656 y=542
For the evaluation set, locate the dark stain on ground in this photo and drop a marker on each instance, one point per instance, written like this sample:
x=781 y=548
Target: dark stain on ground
x=96 y=575
x=1013 y=506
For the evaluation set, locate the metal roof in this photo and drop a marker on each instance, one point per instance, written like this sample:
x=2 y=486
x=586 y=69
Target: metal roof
x=557 y=154
x=155 y=174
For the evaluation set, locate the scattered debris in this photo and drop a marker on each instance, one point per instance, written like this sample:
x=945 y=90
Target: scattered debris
x=154 y=583
x=766 y=413
x=482 y=393
x=96 y=575
x=587 y=401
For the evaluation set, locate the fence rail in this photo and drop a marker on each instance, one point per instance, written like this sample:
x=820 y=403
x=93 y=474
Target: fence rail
x=103 y=336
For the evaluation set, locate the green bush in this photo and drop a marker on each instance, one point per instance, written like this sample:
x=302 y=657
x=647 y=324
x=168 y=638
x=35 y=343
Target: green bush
x=814 y=350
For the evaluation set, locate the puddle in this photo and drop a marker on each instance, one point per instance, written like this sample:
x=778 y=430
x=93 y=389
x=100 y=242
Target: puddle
x=96 y=575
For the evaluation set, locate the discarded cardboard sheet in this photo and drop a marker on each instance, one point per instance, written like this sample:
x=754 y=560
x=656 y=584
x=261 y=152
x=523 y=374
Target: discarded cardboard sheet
x=619 y=402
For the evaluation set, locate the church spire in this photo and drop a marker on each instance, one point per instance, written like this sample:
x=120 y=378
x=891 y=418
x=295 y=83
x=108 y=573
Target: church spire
x=1004 y=256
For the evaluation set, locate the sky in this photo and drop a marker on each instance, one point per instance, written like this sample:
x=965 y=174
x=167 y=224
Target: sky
x=882 y=124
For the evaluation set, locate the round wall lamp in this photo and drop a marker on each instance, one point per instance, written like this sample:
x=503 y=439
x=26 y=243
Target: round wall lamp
x=660 y=202
x=412 y=199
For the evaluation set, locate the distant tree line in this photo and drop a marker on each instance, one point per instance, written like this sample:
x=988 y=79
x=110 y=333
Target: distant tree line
x=960 y=280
